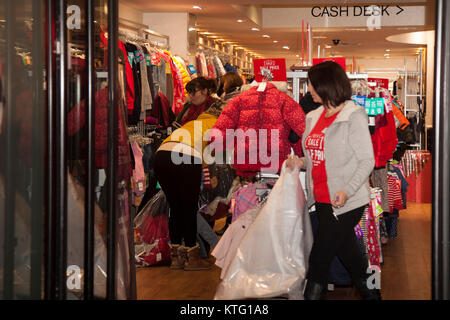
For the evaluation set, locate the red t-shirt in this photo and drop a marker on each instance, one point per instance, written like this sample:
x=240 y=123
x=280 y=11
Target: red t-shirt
x=314 y=144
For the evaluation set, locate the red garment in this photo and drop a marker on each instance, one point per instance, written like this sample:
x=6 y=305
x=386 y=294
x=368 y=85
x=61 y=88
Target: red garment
x=270 y=110
x=385 y=141
x=76 y=120
x=129 y=79
x=394 y=194
x=373 y=246
x=314 y=143
x=161 y=110
x=194 y=111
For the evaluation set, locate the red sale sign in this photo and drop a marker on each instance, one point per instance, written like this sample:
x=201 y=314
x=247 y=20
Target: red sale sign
x=339 y=60
x=378 y=82
x=269 y=69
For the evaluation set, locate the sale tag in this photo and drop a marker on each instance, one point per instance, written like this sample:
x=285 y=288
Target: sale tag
x=269 y=70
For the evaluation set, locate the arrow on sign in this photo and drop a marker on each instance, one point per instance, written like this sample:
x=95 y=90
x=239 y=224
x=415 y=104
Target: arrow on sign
x=401 y=10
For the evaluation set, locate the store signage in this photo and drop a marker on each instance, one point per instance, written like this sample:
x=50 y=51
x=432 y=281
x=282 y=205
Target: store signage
x=365 y=16
x=269 y=69
x=355 y=11
x=339 y=60
x=378 y=82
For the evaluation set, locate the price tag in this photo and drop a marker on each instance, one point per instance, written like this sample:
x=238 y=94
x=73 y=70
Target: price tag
x=262 y=87
x=158 y=256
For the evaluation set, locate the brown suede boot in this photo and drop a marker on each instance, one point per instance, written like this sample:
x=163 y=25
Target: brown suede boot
x=194 y=261
x=177 y=261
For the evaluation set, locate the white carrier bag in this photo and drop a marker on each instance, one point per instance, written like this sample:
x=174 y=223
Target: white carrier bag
x=272 y=258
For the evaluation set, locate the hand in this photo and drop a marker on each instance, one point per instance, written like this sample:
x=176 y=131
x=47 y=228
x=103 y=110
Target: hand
x=339 y=200
x=293 y=161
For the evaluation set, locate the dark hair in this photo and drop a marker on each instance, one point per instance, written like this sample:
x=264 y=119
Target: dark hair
x=331 y=83
x=201 y=83
x=231 y=80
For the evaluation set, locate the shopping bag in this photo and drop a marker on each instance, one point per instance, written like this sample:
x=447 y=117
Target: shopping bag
x=152 y=232
x=272 y=257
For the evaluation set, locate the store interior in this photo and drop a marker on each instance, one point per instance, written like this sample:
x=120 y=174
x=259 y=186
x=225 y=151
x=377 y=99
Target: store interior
x=387 y=50
x=396 y=45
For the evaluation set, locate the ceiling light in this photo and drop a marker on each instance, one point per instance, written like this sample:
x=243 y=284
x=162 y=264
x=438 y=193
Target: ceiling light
x=297 y=55
x=197 y=7
x=255 y=29
x=240 y=20
x=319 y=37
x=286 y=47
x=192 y=29
x=327 y=47
x=275 y=41
x=386 y=54
x=388 y=50
x=266 y=36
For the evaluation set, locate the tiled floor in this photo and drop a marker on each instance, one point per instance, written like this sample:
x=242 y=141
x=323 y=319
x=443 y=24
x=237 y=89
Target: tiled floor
x=406 y=273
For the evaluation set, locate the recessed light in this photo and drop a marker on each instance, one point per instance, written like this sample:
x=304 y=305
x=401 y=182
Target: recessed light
x=388 y=50
x=255 y=29
x=275 y=41
x=297 y=55
x=197 y=7
x=286 y=47
x=327 y=47
x=240 y=20
x=192 y=29
x=266 y=36
x=319 y=37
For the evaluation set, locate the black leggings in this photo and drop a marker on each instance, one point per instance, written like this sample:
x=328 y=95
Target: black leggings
x=336 y=237
x=181 y=185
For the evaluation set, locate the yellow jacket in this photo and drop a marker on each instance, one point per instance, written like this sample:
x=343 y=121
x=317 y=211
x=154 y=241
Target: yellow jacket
x=193 y=132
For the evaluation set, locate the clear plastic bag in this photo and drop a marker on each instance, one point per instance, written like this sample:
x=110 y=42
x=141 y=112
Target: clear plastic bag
x=272 y=258
x=152 y=232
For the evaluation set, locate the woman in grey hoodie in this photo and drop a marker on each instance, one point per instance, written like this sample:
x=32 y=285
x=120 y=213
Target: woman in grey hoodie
x=338 y=161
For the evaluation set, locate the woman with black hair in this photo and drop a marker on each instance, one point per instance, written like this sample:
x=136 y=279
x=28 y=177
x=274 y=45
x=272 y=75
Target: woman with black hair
x=178 y=168
x=199 y=90
x=338 y=157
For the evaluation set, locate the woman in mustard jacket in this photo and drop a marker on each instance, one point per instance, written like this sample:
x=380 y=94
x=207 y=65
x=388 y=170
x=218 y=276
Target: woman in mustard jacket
x=178 y=168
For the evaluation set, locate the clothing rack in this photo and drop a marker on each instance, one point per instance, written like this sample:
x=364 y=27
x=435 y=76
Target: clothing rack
x=143 y=34
x=210 y=50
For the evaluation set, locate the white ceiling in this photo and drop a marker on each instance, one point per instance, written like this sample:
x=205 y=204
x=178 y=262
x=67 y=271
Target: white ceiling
x=220 y=18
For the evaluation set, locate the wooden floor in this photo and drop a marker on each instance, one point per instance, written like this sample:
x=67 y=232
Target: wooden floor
x=405 y=275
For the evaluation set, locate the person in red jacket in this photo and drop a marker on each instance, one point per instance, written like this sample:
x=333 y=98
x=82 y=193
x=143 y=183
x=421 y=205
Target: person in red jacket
x=257 y=124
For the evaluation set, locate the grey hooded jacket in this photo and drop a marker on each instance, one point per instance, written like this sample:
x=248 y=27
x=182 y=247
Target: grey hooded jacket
x=349 y=157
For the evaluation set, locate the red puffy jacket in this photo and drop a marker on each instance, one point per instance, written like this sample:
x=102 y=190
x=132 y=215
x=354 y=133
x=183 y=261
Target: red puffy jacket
x=271 y=110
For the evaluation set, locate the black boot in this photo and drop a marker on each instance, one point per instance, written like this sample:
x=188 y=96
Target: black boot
x=365 y=292
x=313 y=291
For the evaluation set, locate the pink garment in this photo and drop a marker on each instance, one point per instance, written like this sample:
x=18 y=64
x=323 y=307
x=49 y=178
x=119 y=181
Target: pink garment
x=245 y=199
x=138 y=172
x=226 y=248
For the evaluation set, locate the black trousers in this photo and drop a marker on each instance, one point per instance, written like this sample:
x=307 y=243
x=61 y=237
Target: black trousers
x=336 y=237
x=181 y=185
